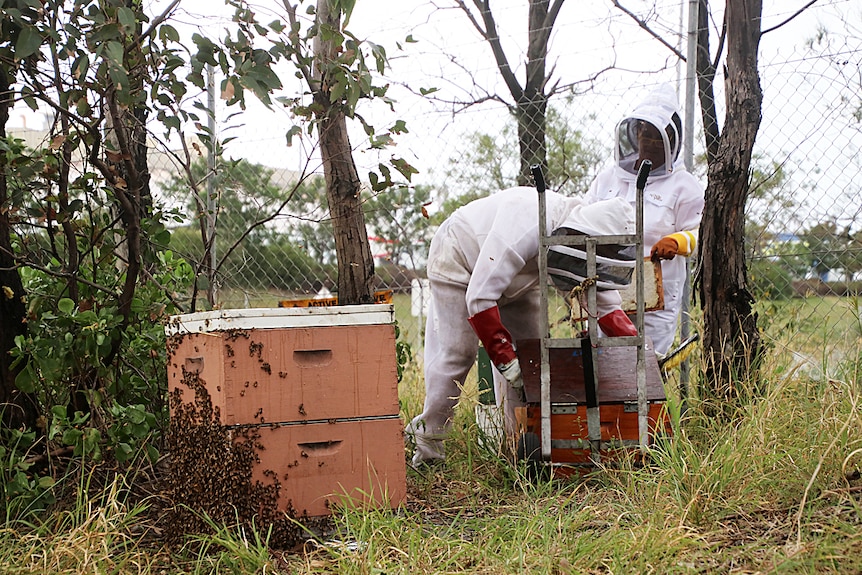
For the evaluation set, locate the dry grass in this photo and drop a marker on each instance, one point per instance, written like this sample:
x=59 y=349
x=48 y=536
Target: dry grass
x=776 y=490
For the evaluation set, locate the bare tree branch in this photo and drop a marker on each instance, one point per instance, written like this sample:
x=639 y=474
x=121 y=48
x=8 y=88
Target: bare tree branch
x=472 y=18
x=553 y=12
x=795 y=14
x=23 y=262
x=640 y=22
x=722 y=38
x=489 y=33
x=543 y=32
x=578 y=86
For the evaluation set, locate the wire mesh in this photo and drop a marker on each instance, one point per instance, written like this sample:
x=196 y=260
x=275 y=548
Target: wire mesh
x=803 y=236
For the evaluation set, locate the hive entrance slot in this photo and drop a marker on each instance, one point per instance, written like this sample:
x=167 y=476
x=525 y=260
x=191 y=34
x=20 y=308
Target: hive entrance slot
x=312 y=357
x=320 y=447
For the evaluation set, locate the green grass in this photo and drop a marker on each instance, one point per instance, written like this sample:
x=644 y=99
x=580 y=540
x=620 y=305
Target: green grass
x=817 y=323
x=776 y=490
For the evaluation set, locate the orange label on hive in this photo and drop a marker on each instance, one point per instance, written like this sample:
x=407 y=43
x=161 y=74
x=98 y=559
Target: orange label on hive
x=383 y=296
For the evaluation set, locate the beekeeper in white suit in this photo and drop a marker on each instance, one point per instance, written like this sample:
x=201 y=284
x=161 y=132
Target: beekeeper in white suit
x=483 y=271
x=673 y=199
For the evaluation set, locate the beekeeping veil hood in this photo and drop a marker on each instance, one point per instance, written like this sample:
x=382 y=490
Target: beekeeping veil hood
x=661 y=109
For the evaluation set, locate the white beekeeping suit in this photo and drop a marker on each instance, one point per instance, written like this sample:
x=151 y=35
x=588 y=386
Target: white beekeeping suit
x=673 y=199
x=483 y=271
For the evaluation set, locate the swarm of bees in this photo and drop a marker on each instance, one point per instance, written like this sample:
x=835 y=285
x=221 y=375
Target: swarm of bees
x=211 y=473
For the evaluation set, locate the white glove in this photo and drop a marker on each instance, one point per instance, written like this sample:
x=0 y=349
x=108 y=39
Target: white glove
x=512 y=372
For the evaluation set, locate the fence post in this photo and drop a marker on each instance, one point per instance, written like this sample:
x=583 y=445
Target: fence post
x=688 y=158
x=211 y=191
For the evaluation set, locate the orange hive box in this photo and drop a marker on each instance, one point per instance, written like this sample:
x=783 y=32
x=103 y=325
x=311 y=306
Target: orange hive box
x=318 y=385
x=617 y=399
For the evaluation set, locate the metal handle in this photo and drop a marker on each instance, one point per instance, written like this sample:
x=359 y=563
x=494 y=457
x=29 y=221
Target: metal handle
x=538 y=177
x=643 y=174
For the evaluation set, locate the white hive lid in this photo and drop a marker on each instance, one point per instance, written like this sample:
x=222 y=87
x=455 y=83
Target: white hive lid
x=279 y=318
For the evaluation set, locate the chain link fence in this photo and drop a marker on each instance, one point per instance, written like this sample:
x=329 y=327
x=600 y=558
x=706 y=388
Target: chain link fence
x=273 y=242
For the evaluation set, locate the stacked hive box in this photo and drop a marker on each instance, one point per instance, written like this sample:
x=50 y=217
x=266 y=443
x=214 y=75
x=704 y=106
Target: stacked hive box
x=319 y=385
x=617 y=402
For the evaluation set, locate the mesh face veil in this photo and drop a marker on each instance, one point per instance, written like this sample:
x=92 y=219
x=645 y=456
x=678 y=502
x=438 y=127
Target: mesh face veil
x=652 y=131
x=641 y=139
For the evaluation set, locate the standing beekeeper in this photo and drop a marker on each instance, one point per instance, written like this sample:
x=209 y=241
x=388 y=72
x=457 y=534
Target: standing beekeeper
x=483 y=272
x=673 y=199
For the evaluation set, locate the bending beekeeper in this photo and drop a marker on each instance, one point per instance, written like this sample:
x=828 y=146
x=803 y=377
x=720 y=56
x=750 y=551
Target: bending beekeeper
x=673 y=199
x=483 y=272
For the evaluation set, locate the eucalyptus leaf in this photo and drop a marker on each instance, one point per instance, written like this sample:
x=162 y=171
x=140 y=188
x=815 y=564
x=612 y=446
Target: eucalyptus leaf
x=126 y=16
x=28 y=43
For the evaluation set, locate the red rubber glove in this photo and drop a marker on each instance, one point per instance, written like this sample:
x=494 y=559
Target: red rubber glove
x=616 y=324
x=498 y=343
x=665 y=249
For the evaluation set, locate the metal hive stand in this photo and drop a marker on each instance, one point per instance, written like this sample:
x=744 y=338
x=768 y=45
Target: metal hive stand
x=591 y=344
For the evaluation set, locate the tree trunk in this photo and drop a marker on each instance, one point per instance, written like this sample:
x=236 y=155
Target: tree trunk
x=355 y=262
x=531 y=136
x=129 y=186
x=706 y=84
x=530 y=100
x=126 y=128
x=17 y=409
x=129 y=177
x=532 y=103
x=731 y=341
